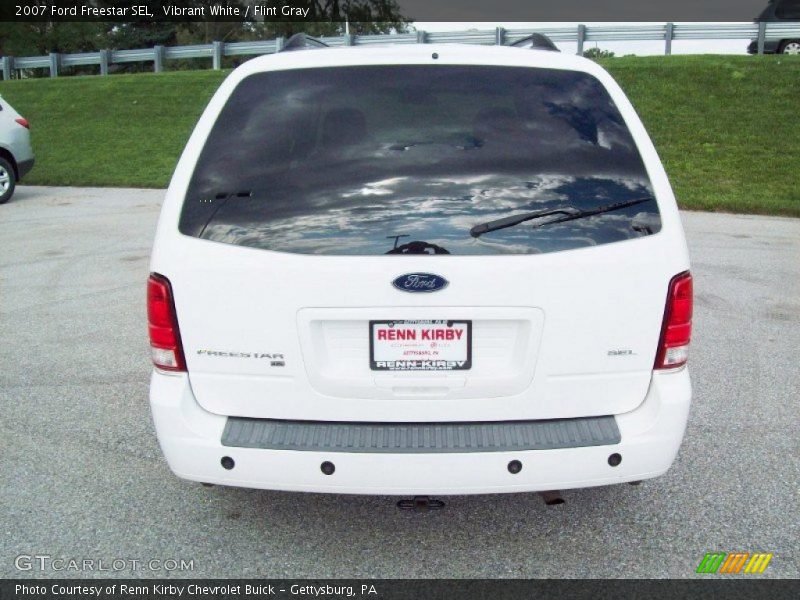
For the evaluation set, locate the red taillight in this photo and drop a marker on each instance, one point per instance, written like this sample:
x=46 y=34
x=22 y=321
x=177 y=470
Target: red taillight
x=676 y=332
x=23 y=122
x=165 y=339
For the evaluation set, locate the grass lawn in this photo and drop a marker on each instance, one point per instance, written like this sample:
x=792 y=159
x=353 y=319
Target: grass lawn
x=726 y=127
x=119 y=130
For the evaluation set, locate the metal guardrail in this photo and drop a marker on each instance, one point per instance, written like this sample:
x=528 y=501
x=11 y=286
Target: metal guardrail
x=666 y=32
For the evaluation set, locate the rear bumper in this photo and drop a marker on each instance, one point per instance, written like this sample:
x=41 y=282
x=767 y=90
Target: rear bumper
x=24 y=167
x=190 y=438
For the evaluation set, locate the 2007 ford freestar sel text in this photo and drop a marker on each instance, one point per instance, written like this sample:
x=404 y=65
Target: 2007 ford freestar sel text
x=428 y=269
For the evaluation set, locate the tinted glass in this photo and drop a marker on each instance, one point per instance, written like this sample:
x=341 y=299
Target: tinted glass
x=788 y=9
x=358 y=160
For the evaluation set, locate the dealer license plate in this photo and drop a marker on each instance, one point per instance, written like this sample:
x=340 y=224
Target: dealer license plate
x=420 y=345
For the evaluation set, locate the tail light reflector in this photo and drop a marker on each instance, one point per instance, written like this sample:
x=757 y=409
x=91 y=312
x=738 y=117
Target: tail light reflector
x=676 y=332
x=23 y=122
x=165 y=338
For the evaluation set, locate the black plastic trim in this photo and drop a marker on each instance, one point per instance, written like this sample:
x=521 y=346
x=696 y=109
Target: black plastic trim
x=419 y=438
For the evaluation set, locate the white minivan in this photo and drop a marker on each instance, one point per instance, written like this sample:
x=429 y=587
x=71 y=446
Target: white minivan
x=419 y=269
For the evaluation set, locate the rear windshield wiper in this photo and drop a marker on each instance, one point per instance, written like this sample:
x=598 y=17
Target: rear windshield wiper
x=221 y=198
x=569 y=213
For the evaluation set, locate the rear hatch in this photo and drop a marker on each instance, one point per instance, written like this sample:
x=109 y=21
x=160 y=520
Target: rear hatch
x=346 y=252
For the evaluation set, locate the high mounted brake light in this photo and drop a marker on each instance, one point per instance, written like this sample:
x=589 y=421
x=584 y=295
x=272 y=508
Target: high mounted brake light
x=165 y=338
x=676 y=331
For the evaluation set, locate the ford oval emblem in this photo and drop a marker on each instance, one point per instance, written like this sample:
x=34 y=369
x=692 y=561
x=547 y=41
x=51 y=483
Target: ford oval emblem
x=420 y=282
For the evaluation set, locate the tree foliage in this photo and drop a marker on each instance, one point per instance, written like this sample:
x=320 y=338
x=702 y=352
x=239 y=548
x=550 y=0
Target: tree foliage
x=597 y=53
x=41 y=37
x=325 y=17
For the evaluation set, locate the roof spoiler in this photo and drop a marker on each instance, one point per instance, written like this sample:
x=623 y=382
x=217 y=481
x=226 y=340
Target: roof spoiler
x=536 y=41
x=301 y=41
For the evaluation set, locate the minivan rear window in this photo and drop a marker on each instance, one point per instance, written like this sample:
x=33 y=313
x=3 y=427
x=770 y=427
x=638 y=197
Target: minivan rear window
x=372 y=160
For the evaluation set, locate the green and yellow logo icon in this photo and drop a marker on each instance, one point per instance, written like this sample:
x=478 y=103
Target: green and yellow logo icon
x=734 y=562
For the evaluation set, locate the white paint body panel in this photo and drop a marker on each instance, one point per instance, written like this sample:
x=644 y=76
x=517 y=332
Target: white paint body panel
x=190 y=439
x=13 y=137
x=543 y=326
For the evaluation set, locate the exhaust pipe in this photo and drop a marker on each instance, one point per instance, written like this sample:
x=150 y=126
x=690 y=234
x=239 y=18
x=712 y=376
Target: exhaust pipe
x=420 y=504
x=552 y=498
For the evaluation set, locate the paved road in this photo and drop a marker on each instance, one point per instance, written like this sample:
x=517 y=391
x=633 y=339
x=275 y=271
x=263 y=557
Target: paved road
x=82 y=475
